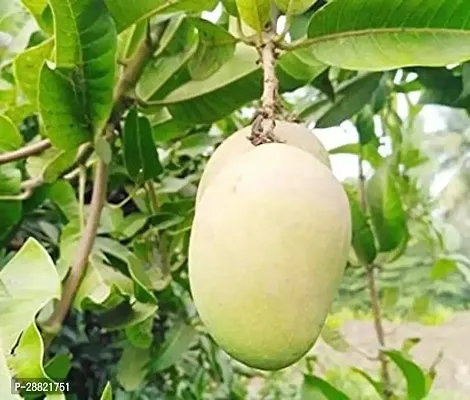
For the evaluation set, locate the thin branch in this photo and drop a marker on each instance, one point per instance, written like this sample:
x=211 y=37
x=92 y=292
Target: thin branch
x=84 y=250
x=24 y=152
x=126 y=83
x=374 y=296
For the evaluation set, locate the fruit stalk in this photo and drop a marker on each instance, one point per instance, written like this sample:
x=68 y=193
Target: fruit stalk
x=264 y=123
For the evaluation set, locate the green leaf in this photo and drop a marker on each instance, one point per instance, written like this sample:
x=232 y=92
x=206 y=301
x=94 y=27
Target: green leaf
x=409 y=343
x=255 y=13
x=140 y=335
x=132 y=367
x=125 y=16
x=293 y=7
x=334 y=339
x=10 y=137
x=27 y=359
x=107 y=392
x=350 y=148
x=62 y=194
x=140 y=154
x=377 y=385
x=216 y=46
x=75 y=94
x=390 y=297
x=173 y=56
x=178 y=340
x=231 y=7
x=293 y=64
x=37 y=9
x=415 y=378
x=236 y=83
x=27 y=67
x=362 y=236
x=126 y=315
x=10 y=211
x=313 y=386
x=136 y=270
x=351 y=97
x=420 y=306
x=443 y=268
x=58 y=367
x=21 y=299
x=365 y=126
x=5 y=377
x=50 y=164
x=390 y=35
x=388 y=216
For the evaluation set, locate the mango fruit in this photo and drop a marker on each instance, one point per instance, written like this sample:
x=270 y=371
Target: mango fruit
x=268 y=247
x=290 y=133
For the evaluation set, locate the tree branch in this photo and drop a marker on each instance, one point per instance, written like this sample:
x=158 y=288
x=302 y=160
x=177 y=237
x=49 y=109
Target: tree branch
x=24 y=152
x=127 y=82
x=374 y=296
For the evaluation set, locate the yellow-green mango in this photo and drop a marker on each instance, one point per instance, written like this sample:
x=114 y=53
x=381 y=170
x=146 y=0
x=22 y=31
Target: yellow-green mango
x=290 y=133
x=268 y=247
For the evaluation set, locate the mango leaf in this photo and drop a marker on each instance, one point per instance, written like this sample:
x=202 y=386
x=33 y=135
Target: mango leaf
x=409 y=343
x=362 y=236
x=434 y=33
x=388 y=216
x=126 y=315
x=377 y=385
x=27 y=359
x=21 y=299
x=390 y=297
x=136 y=270
x=132 y=367
x=350 y=148
x=255 y=13
x=63 y=195
x=50 y=164
x=172 y=57
x=237 y=82
x=231 y=7
x=27 y=67
x=334 y=339
x=58 y=367
x=178 y=340
x=293 y=7
x=107 y=392
x=415 y=377
x=351 y=97
x=140 y=335
x=125 y=16
x=76 y=93
x=293 y=64
x=37 y=8
x=420 y=306
x=216 y=46
x=140 y=153
x=443 y=268
x=313 y=386
x=6 y=377
x=10 y=210
x=10 y=138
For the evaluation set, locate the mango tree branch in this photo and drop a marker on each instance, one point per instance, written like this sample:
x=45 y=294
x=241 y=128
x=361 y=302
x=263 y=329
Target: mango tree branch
x=126 y=83
x=374 y=297
x=24 y=152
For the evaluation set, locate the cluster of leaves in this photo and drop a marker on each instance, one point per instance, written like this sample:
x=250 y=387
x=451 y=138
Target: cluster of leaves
x=148 y=88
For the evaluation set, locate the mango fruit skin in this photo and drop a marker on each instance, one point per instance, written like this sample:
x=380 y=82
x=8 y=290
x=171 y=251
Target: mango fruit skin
x=290 y=133
x=268 y=247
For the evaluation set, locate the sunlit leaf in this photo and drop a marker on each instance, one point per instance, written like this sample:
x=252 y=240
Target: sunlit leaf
x=314 y=386
x=21 y=299
x=10 y=138
x=132 y=367
x=255 y=13
x=386 y=35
